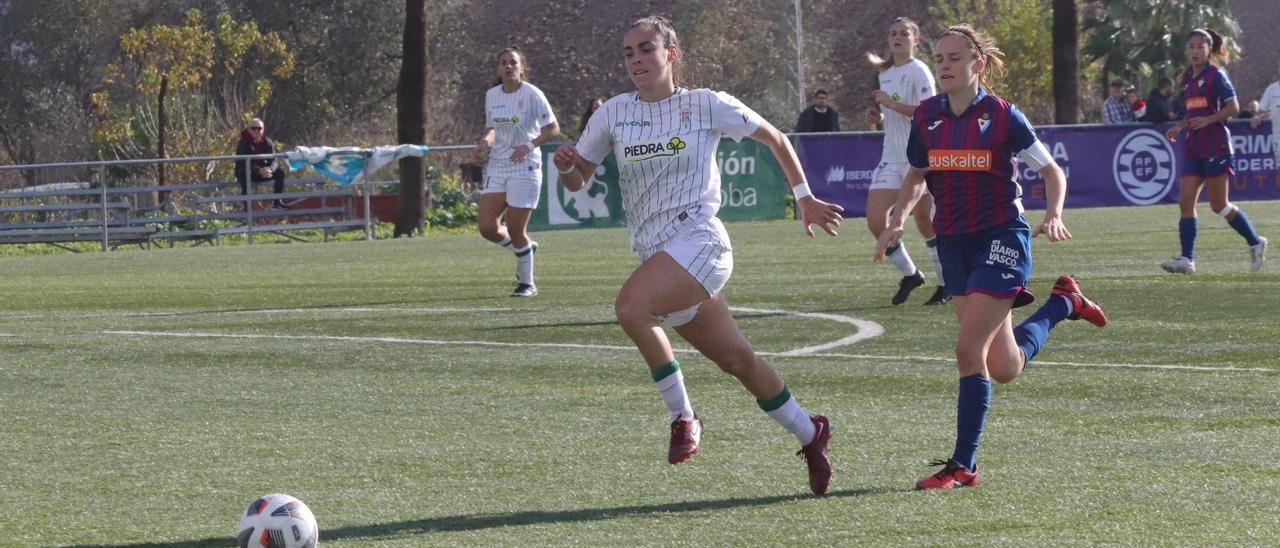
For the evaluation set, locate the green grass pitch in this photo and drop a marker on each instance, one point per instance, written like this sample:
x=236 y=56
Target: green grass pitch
x=398 y=390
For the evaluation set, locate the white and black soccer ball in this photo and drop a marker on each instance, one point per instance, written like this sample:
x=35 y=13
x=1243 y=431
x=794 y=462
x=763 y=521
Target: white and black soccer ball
x=277 y=521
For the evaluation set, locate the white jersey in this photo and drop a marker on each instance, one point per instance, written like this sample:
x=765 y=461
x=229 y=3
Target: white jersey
x=516 y=118
x=1270 y=102
x=666 y=153
x=910 y=84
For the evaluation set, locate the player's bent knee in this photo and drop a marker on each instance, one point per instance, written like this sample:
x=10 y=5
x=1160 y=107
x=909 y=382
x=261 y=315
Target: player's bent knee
x=1003 y=377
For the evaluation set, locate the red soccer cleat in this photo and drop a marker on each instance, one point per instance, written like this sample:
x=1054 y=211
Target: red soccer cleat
x=685 y=436
x=1081 y=307
x=951 y=476
x=815 y=455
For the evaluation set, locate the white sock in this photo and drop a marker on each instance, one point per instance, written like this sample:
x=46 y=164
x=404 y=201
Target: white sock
x=506 y=241
x=902 y=260
x=671 y=388
x=524 y=264
x=933 y=257
x=795 y=419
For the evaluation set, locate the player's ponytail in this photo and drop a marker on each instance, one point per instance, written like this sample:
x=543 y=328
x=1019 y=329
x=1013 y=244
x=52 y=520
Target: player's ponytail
x=885 y=63
x=983 y=47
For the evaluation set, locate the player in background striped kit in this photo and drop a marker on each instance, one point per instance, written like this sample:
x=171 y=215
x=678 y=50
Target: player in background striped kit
x=966 y=143
x=518 y=120
x=1269 y=109
x=1207 y=157
x=664 y=138
x=904 y=82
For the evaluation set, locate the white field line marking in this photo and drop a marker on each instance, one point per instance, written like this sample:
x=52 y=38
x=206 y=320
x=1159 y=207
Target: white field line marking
x=397 y=340
x=866 y=329
x=357 y=310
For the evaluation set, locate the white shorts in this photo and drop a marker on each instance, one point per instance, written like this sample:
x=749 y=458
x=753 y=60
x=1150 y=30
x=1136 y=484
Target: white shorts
x=703 y=250
x=522 y=190
x=889 y=175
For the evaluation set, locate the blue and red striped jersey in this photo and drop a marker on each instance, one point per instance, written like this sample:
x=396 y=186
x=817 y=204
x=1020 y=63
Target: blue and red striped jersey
x=970 y=158
x=1204 y=95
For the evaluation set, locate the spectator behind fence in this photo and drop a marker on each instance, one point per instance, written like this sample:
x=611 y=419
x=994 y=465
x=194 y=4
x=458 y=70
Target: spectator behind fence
x=1136 y=104
x=819 y=117
x=1249 y=110
x=586 y=115
x=1160 y=103
x=253 y=140
x=1115 y=110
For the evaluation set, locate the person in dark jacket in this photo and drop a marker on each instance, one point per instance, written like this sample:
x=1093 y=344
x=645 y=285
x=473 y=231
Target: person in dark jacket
x=253 y=140
x=820 y=117
x=1160 y=103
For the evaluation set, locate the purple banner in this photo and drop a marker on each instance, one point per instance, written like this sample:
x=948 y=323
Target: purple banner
x=1124 y=165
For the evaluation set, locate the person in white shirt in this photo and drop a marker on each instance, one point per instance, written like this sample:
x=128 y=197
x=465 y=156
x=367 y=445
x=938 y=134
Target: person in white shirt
x=1269 y=109
x=518 y=119
x=904 y=82
x=664 y=138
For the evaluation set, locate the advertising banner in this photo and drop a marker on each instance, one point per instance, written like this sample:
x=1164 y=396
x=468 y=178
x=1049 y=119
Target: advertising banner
x=752 y=187
x=1117 y=165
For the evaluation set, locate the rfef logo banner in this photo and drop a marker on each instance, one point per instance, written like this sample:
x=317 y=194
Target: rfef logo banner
x=1112 y=165
x=752 y=186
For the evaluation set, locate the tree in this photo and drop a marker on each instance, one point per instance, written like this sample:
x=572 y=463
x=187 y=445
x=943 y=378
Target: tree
x=411 y=117
x=178 y=68
x=1140 y=41
x=1066 y=62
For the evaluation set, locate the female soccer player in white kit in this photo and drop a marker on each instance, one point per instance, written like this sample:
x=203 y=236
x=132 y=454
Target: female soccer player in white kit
x=664 y=138
x=1269 y=109
x=518 y=119
x=904 y=82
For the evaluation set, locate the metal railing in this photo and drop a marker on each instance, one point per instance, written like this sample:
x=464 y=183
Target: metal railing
x=250 y=195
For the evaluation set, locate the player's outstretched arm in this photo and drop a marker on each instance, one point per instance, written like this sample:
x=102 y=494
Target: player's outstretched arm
x=910 y=192
x=1055 y=188
x=574 y=170
x=812 y=210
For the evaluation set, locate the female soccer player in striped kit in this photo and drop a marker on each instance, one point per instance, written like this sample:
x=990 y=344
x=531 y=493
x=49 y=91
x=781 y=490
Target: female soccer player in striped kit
x=964 y=142
x=518 y=119
x=904 y=82
x=664 y=138
x=1207 y=157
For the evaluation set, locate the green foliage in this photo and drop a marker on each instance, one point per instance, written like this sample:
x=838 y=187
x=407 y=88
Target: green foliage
x=1023 y=31
x=207 y=82
x=1140 y=41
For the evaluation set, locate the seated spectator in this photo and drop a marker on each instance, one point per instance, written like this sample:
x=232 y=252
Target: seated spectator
x=1136 y=103
x=1115 y=110
x=818 y=118
x=1160 y=103
x=253 y=140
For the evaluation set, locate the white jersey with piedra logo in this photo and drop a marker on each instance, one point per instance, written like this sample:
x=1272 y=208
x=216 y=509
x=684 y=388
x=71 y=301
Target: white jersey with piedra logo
x=516 y=118
x=909 y=83
x=666 y=153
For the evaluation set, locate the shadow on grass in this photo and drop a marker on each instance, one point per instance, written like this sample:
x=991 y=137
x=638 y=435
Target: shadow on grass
x=476 y=522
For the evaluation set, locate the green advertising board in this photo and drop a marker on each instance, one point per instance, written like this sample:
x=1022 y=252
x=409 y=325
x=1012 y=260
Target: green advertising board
x=752 y=187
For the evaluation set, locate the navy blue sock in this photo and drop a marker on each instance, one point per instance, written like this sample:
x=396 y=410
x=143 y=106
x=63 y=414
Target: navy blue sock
x=1187 y=229
x=1244 y=227
x=1034 y=331
x=971 y=414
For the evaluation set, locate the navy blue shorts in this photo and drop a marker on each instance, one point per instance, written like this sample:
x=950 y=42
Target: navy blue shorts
x=995 y=262
x=1210 y=167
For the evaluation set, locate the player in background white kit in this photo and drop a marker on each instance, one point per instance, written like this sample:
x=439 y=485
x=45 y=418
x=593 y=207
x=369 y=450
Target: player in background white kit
x=904 y=82
x=1269 y=109
x=664 y=138
x=518 y=120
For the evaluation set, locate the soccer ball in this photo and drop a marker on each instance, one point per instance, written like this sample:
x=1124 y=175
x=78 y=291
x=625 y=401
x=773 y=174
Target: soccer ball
x=277 y=521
